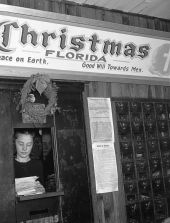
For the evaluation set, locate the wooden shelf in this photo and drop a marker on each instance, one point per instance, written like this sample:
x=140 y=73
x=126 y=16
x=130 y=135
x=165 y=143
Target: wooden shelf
x=40 y=196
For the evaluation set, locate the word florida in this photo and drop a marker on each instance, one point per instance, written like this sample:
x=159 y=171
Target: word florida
x=62 y=40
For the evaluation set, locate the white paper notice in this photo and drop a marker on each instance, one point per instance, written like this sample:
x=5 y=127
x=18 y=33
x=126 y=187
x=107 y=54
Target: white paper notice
x=102 y=136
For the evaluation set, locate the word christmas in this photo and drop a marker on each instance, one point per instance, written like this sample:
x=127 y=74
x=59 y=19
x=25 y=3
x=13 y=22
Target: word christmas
x=62 y=40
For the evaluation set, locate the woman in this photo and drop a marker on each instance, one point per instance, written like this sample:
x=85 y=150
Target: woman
x=24 y=165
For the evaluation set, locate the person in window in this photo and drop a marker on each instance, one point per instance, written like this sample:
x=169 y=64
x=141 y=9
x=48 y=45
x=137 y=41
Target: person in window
x=24 y=166
x=48 y=162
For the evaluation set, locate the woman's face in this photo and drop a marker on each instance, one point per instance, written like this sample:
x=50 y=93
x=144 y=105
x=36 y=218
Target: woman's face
x=24 y=144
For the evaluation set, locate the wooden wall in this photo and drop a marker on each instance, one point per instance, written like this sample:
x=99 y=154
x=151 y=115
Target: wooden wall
x=108 y=208
x=111 y=206
x=7 y=193
x=92 y=12
x=101 y=89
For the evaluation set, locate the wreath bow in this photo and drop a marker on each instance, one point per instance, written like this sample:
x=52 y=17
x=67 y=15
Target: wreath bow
x=41 y=83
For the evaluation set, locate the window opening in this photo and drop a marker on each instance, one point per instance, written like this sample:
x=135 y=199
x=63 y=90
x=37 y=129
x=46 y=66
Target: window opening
x=33 y=161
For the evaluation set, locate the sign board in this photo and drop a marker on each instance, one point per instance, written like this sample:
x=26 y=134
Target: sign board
x=38 y=44
x=34 y=108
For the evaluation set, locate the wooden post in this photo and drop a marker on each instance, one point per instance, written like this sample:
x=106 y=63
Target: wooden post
x=96 y=213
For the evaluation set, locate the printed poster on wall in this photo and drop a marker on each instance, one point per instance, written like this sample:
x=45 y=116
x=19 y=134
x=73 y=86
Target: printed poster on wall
x=102 y=137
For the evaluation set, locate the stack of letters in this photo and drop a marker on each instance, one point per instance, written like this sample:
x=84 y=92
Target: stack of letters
x=50 y=219
x=28 y=186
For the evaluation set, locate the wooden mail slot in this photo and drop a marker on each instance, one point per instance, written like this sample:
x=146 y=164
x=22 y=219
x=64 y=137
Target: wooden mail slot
x=37 y=206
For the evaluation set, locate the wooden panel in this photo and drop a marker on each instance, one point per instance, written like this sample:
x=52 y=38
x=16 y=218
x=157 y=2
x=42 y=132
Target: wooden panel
x=116 y=16
x=7 y=193
x=87 y=12
x=95 y=12
x=100 y=89
x=70 y=9
x=55 y=6
x=14 y=2
x=72 y=156
x=27 y=4
x=107 y=15
x=95 y=200
x=34 y=209
x=3 y=1
x=115 y=90
x=167 y=92
x=156 y=8
x=99 y=14
x=111 y=206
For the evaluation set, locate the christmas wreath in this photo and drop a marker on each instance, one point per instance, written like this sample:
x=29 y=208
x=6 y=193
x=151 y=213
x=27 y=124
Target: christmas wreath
x=44 y=86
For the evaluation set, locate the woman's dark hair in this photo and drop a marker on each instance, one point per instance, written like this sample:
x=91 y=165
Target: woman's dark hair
x=23 y=132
